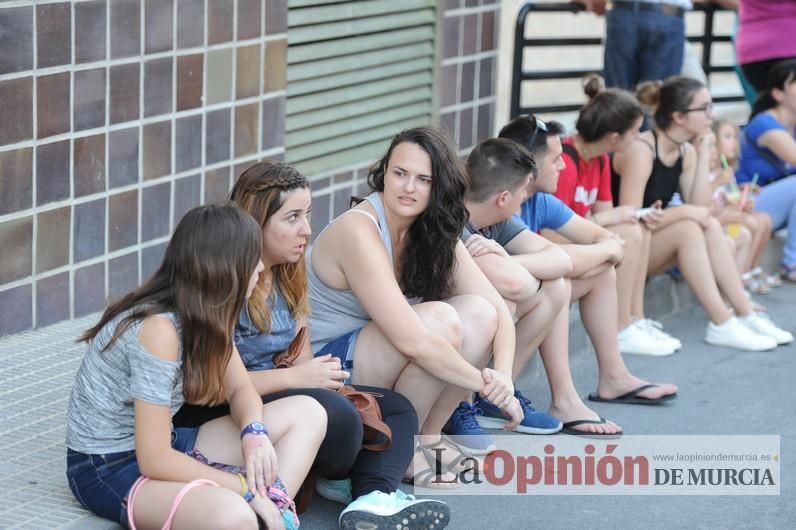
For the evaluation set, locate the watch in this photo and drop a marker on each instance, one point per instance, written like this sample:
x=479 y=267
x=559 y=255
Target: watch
x=254 y=427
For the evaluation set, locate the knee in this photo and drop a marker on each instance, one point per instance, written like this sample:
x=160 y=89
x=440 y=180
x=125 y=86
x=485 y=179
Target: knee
x=751 y=223
x=765 y=222
x=476 y=312
x=744 y=237
x=341 y=416
x=714 y=227
x=634 y=235
x=308 y=413
x=690 y=232
x=557 y=292
x=443 y=319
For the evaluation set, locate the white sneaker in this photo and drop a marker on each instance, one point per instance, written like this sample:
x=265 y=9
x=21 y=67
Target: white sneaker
x=763 y=326
x=655 y=328
x=334 y=490
x=733 y=334
x=397 y=510
x=636 y=339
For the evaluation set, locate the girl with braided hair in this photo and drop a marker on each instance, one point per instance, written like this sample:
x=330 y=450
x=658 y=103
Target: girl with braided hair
x=397 y=297
x=278 y=197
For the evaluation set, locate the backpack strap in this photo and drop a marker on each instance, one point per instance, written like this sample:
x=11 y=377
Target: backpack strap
x=575 y=156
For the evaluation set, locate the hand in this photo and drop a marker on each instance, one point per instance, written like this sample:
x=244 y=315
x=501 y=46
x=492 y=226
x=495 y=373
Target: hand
x=498 y=388
x=749 y=205
x=654 y=216
x=324 y=371
x=616 y=250
x=595 y=6
x=268 y=512
x=514 y=413
x=479 y=245
x=624 y=214
x=697 y=213
x=260 y=459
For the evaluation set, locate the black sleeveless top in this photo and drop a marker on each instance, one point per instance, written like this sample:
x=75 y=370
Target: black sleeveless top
x=663 y=182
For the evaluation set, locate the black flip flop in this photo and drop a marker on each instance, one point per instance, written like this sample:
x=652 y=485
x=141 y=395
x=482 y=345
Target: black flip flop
x=569 y=428
x=633 y=398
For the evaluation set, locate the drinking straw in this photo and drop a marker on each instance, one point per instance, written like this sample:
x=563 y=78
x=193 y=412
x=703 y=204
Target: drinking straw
x=724 y=163
x=746 y=189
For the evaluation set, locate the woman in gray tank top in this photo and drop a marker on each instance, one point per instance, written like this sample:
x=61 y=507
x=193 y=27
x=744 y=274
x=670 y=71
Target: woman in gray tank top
x=167 y=342
x=397 y=297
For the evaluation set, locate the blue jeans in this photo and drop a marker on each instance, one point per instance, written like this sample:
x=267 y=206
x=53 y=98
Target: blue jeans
x=778 y=200
x=642 y=46
x=343 y=348
x=101 y=482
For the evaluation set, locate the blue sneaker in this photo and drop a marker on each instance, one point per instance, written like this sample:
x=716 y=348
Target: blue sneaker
x=463 y=429
x=534 y=422
x=334 y=490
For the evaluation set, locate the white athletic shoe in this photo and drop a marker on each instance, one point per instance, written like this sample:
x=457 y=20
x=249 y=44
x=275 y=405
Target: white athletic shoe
x=397 y=510
x=636 y=339
x=763 y=326
x=733 y=334
x=656 y=328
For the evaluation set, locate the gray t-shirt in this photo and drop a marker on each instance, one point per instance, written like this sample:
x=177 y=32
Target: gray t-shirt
x=502 y=232
x=100 y=416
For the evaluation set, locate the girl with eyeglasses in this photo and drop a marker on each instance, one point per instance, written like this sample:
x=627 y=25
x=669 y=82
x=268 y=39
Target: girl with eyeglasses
x=662 y=162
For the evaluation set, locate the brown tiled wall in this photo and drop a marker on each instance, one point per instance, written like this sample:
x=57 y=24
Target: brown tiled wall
x=467 y=51
x=118 y=117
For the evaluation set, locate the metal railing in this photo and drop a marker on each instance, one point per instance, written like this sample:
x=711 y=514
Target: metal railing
x=519 y=75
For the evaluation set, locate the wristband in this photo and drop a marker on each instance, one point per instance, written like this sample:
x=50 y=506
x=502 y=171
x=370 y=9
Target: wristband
x=245 y=492
x=254 y=427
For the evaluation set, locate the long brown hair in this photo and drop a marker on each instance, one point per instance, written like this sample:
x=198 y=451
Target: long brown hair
x=261 y=191
x=428 y=262
x=203 y=279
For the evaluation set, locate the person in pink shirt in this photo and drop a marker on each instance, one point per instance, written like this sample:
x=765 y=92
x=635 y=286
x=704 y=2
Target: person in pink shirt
x=765 y=37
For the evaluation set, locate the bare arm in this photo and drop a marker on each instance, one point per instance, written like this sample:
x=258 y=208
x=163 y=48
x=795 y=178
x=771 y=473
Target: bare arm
x=156 y=458
x=359 y=252
x=780 y=143
x=469 y=279
x=695 y=179
x=308 y=372
x=540 y=257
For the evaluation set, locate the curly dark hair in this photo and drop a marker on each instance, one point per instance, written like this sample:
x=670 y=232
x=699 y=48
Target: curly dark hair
x=429 y=259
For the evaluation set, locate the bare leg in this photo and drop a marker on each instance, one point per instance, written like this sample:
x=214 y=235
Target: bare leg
x=566 y=404
x=684 y=242
x=597 y=296
x=536 y=317
x=724 y=269
x=743 y=249
x=631 y=273
x=296 y=426
x=759 y=224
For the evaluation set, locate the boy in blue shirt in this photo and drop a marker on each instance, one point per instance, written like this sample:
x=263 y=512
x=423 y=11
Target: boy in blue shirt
x=499 y=173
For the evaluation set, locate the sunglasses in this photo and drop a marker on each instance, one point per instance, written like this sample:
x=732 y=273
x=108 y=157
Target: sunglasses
x=540 y=126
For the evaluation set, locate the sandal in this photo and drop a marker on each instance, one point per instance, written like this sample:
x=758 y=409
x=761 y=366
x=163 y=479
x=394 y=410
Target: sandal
x=772 y=280
x=754 y=284
x=788 y=272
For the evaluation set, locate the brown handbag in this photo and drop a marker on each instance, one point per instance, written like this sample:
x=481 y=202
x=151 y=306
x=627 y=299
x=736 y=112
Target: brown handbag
x=365 y=402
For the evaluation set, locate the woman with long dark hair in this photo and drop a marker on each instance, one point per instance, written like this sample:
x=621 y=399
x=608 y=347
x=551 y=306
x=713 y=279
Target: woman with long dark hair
x=278 y=197
x=170 y=342
x=652 y=169
x=768 y=150
x=396 y=296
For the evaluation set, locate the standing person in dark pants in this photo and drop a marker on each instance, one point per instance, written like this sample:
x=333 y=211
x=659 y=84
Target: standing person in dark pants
x=644 y=39
x=765 y=37
x=278 y=197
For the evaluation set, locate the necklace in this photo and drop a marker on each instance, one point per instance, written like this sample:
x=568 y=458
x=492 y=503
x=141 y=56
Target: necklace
x=675 y=142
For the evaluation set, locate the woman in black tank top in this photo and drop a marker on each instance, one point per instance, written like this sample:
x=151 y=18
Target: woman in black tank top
x=663 y=161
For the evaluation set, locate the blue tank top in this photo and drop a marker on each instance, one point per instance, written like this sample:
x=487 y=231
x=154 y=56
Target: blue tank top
x=257 y=349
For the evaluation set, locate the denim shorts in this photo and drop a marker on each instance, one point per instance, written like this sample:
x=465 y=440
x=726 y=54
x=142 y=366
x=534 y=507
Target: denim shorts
x=343 y=348
x=101 y=482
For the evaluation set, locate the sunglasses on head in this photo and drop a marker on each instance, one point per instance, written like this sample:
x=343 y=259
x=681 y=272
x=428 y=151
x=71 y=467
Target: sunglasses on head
x=539 y=126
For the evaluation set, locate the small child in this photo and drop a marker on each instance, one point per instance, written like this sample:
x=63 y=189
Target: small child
x=734 y=208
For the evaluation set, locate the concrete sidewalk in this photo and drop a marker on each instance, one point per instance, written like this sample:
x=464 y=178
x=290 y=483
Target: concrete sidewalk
x=721 y=392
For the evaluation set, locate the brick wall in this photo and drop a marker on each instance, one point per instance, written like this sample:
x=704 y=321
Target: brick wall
x=120 y=115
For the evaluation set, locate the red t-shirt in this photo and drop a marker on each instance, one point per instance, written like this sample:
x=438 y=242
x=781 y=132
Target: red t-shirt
x=580 y=187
